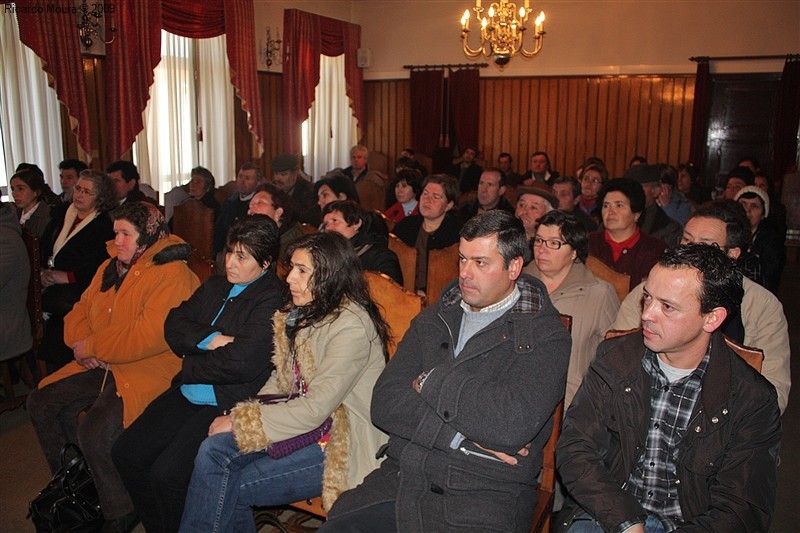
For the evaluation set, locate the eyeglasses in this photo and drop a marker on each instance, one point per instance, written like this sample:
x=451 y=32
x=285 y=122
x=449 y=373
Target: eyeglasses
x=596 y=181
x=553 y=244
x=82 y=190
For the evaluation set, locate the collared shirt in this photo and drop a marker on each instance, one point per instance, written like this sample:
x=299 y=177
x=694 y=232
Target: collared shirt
x=654 y=480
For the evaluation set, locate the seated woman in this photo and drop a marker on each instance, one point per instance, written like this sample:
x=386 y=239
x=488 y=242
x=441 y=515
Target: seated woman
x=347 y=219
x=768 y=242
x=224 y=334
x=122 y=361
x=403 y=196
x=621 y=245
x=27 y=188
x=334 y=186
x=330 y=348
x=73 y=246
x=561 y=246
x=435 y=227
x=279 y=206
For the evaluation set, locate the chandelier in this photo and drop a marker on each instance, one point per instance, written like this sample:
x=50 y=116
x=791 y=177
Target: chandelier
x=502 y=31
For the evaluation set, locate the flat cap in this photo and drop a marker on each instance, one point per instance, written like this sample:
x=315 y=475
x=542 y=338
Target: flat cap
x=284 y=162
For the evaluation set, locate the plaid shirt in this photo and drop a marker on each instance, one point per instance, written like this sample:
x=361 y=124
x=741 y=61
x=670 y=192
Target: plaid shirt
x=654 y=480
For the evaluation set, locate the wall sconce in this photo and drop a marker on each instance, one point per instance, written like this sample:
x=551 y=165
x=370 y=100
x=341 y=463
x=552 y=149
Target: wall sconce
x=272 y=49
x=91 y=24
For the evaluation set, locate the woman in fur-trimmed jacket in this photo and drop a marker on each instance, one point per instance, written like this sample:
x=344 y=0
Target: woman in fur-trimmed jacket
x=329 y=351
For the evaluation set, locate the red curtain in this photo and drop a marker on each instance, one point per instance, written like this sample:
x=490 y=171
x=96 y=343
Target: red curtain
x=52 y=37
x=788 y=117
x=426 y=109
x=199 y=19
x=465 y=106
x=703 y=90
x=130 y=61
x=306 y=37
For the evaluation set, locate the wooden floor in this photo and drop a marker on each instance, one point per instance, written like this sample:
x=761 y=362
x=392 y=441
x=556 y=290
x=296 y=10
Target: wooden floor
x=23 y=471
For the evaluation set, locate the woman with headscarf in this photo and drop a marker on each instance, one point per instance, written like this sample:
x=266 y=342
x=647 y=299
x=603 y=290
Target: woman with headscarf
x=122 y=360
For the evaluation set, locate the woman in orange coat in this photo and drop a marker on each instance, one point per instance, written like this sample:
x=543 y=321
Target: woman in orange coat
x=122 y=361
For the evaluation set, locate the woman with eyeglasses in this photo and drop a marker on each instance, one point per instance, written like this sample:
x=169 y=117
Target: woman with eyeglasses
x=592 y=178
x=560 y=247
x=73 y=247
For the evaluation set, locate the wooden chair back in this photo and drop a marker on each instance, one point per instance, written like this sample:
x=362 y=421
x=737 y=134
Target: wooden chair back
x=386 y=221
x=546 y=493
x=407 y=257
x=620 y=282
x=752 y=356
x=224 y=192
x=202 y=267
x=194 y=222
x=442 y=269
x=397 y=306
x=308 y=229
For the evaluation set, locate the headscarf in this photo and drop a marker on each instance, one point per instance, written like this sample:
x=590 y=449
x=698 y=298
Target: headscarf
x=155 y=229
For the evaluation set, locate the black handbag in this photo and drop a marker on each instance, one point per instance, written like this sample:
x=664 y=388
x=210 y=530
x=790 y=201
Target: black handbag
x=69 y=502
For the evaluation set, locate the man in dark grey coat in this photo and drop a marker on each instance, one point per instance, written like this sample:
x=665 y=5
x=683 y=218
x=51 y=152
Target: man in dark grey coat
x=671 y=430
x=467 y=400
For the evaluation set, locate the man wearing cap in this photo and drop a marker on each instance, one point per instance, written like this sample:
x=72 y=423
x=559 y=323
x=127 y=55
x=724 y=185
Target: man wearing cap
x=491 y=191
x=533 y=203
x=654 y=221
x=768 y=239
x=286 y=177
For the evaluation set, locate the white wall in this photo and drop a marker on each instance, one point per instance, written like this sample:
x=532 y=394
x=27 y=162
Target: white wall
x=583 y=36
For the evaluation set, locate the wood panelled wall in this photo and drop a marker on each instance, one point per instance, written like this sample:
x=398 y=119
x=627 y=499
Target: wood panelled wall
x=571 y=118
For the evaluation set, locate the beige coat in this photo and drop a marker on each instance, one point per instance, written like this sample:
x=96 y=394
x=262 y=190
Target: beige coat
x=593 y=305
x=765 y=327
x=340 y=359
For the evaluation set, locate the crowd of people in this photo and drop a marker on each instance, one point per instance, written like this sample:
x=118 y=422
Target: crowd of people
x=270 y=383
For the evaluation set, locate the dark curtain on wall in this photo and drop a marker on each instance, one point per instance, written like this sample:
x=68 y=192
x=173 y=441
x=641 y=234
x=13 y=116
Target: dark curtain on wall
x=426 y=109
x=700 y=114
x=53 y=37
x=306 y=37
x=788 y=117
x=465 y=106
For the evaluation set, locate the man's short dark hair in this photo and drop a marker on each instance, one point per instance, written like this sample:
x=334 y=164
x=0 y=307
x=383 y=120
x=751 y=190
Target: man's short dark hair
x=572 y=231
x=638 y=160
x=546 y=158
x=732 y=213
x=498 y=171
x=505 y=154
x=576 y=185
x=668 y=175
x=511 y=241
x=128 y=169
x=720 y=278
x=743 y=173
x=630 y=188
x=252 y=166
x=76 y=164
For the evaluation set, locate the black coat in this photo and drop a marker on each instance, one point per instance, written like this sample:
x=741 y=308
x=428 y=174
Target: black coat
x=238 y=370
x=447 y=234
x=232 y=210
x=374 y=254
x=726 y=460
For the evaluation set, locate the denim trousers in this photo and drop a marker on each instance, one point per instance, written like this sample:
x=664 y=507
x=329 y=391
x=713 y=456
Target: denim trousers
x=54 y=413
x=155 y=457
x=226 y=484
x=652 y=525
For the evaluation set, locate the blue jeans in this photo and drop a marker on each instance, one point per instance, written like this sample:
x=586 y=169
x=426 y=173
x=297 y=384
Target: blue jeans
x=652 y=525
x=226 y=484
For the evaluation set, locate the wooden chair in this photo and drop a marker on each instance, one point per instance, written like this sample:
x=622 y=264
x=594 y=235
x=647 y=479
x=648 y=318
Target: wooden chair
x=308 y=228
x=620 y=282
x=202 y=267
x=407 y=256
x=387 y=221
x=546 y=493
x=398 y=307
x=224 y=192
x=194 y=223
x=442 y=269
x=752 y=356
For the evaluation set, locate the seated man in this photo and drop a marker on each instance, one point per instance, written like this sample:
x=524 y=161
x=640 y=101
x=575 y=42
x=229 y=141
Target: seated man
x=467 y=400
x=370 y=184
x=759 y=320
x=504 y=162
x=671 y=430
x=568 y=191
x=125 y=177
x=236 y=205
x=491 y=191
x=286 y=177
x=654 y=220
x=533 y=203
x=467 y=171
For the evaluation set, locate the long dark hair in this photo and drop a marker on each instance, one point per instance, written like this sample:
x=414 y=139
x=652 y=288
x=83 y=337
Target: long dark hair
x=337 y=276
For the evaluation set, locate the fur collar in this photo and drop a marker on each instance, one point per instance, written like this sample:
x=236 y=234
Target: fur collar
x=168 y=254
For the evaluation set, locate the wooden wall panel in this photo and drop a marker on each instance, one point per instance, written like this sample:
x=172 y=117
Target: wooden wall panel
x=271 y=88
x=388 y=122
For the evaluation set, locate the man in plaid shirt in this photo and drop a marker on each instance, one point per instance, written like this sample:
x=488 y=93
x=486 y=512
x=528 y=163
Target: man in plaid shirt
x=671 y=430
